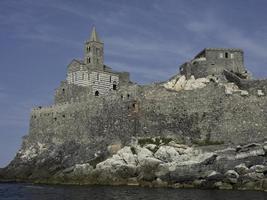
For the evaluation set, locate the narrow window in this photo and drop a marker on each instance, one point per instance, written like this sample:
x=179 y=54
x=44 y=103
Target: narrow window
x=89 y=60
x=226 y=54
x=89 y=49
x=55 y=119
x=97 y=61
x=63 y=116
x=114 y=87
x=232 y=55
x=82 y=76
x=128 y=96
x=97 y=76
x=221 y=55
x=121 y=96
x=63 y=90
x=96 y=93
x=110 y=79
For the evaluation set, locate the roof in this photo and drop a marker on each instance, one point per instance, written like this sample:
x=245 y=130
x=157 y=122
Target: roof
x=94 y=37
x=75 y=61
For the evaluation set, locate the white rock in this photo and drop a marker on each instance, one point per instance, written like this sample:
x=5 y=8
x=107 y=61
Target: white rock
x=265 y=146
x=230 y=88
x=150 y=147
x=260 y=93
x=143 y=153
x=166 y=153
x=82 y=169
x=258 y=168
x=241 y=169
x=232 y=174
x=179 y=83
x=244 y=93
x=127 y=155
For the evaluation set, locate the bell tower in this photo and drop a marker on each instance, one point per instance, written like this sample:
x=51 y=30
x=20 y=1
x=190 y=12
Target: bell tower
x=94 y=51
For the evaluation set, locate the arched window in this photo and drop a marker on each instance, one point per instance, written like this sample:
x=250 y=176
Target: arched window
x=226 y=55
x=96 y=93
x=114 y=85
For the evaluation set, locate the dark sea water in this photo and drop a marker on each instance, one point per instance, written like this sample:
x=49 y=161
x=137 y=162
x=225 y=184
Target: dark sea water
x=44 y=192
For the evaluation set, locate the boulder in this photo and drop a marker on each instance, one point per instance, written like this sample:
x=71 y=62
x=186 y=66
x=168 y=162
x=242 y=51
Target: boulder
x=258 y=169
x=143 y=153
x=252 y=176
x=113 y=169
x=231 y=176
x=264 y=184
x=167 y=154
x=127 y=155
x=265 y=147
x=151 y=147
x=241 y=169
x=82 y=169
x=215 y=176
x=147 y=168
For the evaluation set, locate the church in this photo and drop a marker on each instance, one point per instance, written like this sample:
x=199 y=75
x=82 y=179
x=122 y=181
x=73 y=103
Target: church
x=92 y=72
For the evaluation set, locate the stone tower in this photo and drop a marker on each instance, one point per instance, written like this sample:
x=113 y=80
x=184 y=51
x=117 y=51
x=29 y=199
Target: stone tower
x=94 y=51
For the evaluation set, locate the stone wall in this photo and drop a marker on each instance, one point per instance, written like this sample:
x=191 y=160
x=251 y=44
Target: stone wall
x=253 y=86
x=202 y=114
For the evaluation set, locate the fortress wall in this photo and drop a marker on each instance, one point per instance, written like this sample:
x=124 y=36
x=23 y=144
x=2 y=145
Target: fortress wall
x=67 y=93
x=97 y=121
x=250 y=85
x=254 y=85
x=206 y=113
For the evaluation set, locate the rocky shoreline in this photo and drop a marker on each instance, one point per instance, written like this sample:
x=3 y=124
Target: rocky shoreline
x=161 y=164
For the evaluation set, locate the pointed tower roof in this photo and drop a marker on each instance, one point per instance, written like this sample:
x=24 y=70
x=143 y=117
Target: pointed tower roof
x=94 y=37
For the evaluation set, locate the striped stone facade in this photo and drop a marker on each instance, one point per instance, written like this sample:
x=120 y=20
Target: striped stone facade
x=100 y=81
x=91 y=71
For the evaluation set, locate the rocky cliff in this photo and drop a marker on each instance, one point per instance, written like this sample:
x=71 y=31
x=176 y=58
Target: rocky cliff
x=202 y=133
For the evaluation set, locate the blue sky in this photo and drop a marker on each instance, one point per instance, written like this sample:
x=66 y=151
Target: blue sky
x=148 y=38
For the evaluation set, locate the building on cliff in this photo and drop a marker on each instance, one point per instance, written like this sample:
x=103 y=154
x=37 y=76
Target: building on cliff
x=213 y=61
x=208 y=98
x=96 y=111
x=92 y=72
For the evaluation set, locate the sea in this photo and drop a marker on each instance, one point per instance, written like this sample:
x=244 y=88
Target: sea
x=18 y=191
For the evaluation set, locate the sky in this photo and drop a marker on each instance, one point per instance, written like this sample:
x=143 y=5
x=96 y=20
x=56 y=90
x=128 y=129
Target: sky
x=148 y=38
